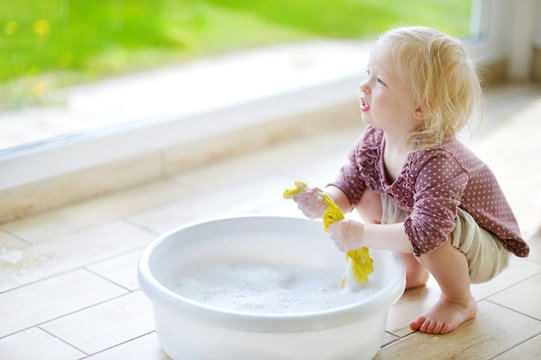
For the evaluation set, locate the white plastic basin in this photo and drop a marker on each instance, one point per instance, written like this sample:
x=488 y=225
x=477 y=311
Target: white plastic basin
x=187 y=274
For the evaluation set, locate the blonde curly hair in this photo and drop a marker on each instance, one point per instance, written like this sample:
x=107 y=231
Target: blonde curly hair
x=444 y=82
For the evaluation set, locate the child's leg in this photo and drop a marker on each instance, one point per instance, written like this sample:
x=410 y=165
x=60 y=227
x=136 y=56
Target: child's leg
x=416 y=274
x=456 y=305
x=373 y=210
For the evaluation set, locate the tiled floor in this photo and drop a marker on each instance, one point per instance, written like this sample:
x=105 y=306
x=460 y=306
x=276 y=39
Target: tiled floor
x=68 y=286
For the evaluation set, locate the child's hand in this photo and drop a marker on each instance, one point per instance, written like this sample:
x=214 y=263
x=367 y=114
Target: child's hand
x=311 y=203
x=347 y=234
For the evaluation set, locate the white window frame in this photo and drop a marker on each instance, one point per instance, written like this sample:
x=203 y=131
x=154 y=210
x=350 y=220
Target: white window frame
x=489 y=22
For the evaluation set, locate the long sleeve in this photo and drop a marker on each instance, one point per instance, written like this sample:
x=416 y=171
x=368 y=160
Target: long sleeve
x=349 y=180
x=361 y=171
x=438 y=192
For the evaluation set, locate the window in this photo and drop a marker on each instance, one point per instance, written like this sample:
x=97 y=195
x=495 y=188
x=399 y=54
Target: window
x=83 y=148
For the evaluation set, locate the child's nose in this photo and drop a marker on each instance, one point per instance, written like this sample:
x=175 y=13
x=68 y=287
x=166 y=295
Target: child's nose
x=364 y=86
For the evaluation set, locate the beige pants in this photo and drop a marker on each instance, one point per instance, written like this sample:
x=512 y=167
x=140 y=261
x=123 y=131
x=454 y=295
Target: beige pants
x=485 y=253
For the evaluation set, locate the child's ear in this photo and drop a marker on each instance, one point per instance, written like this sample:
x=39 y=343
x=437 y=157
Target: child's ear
x=420 y=114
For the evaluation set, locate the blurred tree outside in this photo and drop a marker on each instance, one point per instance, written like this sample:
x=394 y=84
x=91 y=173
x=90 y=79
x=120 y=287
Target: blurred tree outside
x=49 y=44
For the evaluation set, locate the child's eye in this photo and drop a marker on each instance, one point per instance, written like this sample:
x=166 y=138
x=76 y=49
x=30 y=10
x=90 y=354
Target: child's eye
x=381 y=82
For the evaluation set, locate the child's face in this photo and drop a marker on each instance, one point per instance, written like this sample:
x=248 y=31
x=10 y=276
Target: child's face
x=386 y=99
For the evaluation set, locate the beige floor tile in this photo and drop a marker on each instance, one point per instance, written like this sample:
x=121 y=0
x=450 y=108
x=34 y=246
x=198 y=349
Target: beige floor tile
x=340 y=138
x=323 y=166
x=48 y=299
x=389 y=338
x=319 y=172
x=105 y=325
x=530 y=349
x=34 y=344
x=523 y=297
x=146 y=347
x=518 y=170
x=284 y=157
x=10 y=249
x=8 y=241
x=249 y=167
x=413 y=303
x=518 y=270
x=241 y=198
x=494 y=330
x=498 y=107
x=56 y=223
x=72 y=251
x=535 y=247
x=329 y=119
x=280 y=208
x=121 y=270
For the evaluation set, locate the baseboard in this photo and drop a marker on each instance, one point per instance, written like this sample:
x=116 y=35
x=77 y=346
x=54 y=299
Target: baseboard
x=80 y=185
x=536 y=64
x=494 y=73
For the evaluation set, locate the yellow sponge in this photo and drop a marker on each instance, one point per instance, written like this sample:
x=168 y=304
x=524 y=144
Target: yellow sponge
x=359 y=263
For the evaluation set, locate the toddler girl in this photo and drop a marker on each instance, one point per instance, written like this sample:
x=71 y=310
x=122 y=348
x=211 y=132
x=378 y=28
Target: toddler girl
x=419 y=191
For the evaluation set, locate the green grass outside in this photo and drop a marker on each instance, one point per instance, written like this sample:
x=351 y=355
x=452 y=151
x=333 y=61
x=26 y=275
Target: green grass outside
x=48 y=44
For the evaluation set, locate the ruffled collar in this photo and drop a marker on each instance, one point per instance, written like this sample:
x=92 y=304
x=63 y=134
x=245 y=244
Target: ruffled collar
x=401 y=190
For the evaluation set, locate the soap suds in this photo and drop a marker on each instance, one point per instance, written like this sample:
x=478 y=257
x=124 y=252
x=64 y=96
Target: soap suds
x=266 y=288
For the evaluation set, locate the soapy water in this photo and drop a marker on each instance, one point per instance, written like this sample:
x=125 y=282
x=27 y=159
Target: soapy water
x=10 y=256
x=267 y=288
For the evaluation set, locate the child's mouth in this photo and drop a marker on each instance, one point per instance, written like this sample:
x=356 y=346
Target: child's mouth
x=364 y=106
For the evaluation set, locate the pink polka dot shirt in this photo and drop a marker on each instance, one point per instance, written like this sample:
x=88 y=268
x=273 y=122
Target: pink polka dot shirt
x=431 y=185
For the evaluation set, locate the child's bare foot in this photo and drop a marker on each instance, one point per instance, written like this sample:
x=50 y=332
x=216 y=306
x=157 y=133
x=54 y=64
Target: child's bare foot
x=445 y=316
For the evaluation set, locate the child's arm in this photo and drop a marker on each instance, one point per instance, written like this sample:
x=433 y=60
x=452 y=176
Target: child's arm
x=339 y=198
x=351 y=235
x=388 y=237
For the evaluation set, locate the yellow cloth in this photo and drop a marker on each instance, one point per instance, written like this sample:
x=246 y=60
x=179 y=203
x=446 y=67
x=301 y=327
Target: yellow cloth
x=359 y=261
x=332 y=214
x=299 y=186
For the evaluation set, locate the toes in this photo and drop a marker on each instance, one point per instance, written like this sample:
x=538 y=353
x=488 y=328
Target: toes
x=426 y=326
x=438 y=328
x=446 y=329
x=416 y=324
x=429 y=326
